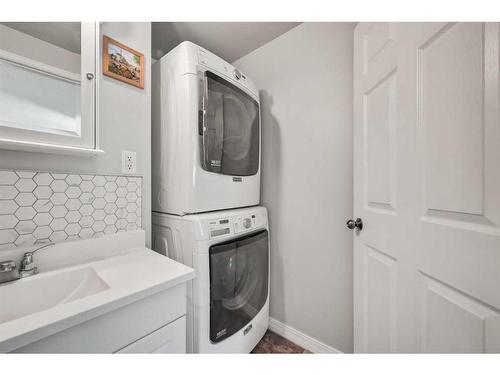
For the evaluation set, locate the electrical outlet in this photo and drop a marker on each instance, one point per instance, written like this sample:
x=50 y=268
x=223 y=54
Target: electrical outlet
x=129 y=162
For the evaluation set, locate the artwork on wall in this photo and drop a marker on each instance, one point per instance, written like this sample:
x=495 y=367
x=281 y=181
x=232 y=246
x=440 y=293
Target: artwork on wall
x=122 y=62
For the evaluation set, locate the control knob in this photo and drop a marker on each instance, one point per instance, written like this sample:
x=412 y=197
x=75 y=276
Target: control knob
x=247 y=223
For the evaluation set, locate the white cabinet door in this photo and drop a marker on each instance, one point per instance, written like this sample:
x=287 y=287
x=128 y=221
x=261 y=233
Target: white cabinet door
x=48 y=88
x=168 y=339
x=427 y=186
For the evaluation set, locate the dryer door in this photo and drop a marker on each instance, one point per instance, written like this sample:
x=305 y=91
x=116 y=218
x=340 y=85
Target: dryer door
x=239 y=272
x=229 y=130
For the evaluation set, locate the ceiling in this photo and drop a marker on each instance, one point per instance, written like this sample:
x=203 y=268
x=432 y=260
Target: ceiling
x=229 y=40
x=66 y=35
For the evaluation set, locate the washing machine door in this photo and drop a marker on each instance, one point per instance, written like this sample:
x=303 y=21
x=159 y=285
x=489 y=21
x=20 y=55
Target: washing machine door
x=239 y=272
x=229 y=128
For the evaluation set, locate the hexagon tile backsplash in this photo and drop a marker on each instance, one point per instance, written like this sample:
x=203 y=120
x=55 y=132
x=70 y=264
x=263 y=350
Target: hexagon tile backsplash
x=37 y=207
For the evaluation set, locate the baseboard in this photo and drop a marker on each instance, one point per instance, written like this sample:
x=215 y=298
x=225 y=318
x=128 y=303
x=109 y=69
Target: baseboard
x=300 y=338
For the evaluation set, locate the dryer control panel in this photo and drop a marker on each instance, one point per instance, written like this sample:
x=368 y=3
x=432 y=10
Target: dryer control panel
x=214 y=62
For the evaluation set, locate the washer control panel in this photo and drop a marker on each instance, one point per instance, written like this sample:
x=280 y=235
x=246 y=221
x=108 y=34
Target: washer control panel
x=244 y=223
x=220 y=227
x=225 y=226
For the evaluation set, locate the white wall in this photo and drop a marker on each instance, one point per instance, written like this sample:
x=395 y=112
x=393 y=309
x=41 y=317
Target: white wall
x=125 y=124
x=305 y=77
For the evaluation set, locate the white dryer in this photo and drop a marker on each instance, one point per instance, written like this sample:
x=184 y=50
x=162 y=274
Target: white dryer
x=228 y=301
x=205 y=134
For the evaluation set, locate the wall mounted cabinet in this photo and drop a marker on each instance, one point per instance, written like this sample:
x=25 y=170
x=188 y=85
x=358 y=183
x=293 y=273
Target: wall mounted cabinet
x=48 y=86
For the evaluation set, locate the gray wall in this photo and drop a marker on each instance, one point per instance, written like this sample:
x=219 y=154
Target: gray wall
x=305 y=77
x=125 y=124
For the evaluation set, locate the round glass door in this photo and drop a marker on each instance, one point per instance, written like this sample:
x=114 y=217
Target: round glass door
x=231 y=132
x=239 y=272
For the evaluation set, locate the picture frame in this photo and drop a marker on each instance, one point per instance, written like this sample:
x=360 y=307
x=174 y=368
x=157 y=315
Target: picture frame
x=122 y=62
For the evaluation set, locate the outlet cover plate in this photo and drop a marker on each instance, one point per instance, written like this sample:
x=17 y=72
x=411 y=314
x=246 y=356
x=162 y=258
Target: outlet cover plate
x=129 y=162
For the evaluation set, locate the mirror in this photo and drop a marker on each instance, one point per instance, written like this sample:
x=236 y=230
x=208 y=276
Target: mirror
x=45 y=93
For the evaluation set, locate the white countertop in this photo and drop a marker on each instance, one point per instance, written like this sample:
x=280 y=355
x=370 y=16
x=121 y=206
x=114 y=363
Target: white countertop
x=131 y=274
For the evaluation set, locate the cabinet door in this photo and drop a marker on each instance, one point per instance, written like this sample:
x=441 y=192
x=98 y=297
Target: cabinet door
x=168 y=339
x=47 y=83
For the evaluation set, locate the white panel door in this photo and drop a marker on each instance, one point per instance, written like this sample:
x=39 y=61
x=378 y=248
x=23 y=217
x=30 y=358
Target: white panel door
x=427 y=186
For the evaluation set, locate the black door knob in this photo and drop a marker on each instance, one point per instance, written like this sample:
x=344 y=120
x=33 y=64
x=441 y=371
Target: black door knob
x=358 y=223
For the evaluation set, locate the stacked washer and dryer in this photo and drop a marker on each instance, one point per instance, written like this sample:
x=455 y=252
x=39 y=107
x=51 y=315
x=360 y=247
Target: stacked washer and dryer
x=206 y=191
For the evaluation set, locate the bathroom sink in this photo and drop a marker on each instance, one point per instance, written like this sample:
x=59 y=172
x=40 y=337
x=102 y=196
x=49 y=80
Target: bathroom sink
x=42 y=292
x=88 y=283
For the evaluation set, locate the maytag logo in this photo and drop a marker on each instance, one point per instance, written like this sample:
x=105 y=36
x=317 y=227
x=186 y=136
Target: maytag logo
x=247 y=330
x=237 y=179
x=221 y=333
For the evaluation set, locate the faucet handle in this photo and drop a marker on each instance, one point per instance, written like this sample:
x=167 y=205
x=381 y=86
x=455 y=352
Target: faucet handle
x=28 y=267
x=27 y=262
x=7 y=266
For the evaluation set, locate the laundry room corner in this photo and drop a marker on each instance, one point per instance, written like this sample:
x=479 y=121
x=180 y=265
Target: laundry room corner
x=305 y=82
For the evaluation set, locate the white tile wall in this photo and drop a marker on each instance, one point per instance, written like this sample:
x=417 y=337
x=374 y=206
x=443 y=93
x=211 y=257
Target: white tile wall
x=37 y=207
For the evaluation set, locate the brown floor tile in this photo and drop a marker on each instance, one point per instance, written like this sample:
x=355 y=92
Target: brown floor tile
x=273 y=343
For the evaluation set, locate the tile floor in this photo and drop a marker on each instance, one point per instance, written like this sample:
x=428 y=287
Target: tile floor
x=273 y=343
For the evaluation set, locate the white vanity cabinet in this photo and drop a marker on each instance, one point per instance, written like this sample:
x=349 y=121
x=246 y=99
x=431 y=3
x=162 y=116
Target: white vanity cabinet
x=129 y=301
x=152 y=324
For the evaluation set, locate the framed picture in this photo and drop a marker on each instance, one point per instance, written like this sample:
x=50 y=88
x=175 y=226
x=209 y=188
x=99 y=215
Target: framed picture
x=122 y=62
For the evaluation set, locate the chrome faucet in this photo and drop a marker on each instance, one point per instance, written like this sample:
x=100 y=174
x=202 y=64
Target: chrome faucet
x=7 y=268
x=28 y=267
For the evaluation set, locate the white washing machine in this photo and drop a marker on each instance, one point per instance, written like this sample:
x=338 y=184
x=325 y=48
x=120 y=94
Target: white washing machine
x=228 y=301
x=205 y=134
